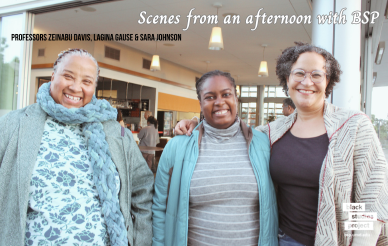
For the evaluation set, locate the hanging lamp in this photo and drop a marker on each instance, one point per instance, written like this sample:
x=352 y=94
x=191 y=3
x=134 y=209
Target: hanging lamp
x=155 y=63
x=216 y=41
x=263 y=70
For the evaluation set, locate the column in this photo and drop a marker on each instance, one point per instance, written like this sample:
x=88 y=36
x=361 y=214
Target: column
x=322 y=34
x=24 y=83
x=347 y=41
x=368 y=77
x=260 y=105
x=343 y=41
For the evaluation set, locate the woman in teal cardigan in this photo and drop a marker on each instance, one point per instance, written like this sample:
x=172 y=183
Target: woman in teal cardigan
x=186 y=213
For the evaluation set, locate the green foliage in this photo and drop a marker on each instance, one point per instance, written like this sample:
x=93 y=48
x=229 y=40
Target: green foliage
x=383 y=131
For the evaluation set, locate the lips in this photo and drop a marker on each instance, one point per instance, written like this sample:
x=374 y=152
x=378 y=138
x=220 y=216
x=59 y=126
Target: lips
x=221 y=112
x=73 y=98
x=305 y=91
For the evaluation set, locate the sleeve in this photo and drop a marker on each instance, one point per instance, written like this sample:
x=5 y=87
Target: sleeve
x=140 y=135
x=159 y=206
x=157 y=137
x=263 y=128
x=370 y=185
x=141 y=193
x=4 y=136
x=360 y=240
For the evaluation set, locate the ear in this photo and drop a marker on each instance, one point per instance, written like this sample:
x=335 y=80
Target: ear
x=52 y=76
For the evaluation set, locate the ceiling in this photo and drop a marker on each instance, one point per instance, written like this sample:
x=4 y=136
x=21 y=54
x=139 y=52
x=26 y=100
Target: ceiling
x=242 y=47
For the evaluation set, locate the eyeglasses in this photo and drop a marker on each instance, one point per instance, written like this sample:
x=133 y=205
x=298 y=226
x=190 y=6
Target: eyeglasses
x=316 y=76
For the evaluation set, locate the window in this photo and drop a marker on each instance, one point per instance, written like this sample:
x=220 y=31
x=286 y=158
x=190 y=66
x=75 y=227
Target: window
x=249 y=91
x=112 y=53
x=248 y=113
x=274 y=91
x=40 y=52
x=146 y=64
x=272 y=111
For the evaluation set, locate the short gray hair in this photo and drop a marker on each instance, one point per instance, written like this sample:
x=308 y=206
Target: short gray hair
x=75 y=52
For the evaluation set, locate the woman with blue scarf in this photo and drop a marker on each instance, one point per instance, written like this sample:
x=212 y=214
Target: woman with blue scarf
x=69 y=173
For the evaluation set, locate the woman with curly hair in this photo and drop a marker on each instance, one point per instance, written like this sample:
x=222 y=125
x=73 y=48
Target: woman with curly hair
x=322 y=157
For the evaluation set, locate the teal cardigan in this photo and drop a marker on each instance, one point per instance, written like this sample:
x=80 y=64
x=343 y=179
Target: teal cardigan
x=170 y=223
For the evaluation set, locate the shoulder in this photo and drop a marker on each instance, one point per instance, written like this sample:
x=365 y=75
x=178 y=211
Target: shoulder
x=177 y=141
x=12 y=119
x=259 y=134
x=261 y=139
x=112 y=126
x=349 y=116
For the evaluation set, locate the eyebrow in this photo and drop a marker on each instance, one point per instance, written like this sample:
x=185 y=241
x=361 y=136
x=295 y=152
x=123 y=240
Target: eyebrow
x=211 y=92
x=65 y=70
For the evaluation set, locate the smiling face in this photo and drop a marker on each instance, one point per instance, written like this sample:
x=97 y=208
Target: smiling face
x=308 y=96
x=74 y=82
x=218 y=102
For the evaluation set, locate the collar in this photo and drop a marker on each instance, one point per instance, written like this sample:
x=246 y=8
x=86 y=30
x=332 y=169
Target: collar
x=247 y=132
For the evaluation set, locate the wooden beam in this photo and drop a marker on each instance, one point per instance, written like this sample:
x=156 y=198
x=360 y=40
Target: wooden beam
x=38 y=66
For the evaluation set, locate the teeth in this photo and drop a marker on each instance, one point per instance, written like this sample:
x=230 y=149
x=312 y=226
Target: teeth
x=221 y=112
x=73 y=98
x=308 y=92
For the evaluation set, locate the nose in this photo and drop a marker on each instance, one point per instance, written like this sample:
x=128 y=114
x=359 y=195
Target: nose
x=307 y=81
x=219 y=101
x=76 y=86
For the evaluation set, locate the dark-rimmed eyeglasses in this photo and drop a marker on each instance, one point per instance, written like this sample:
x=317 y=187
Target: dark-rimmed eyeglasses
x=316 y=76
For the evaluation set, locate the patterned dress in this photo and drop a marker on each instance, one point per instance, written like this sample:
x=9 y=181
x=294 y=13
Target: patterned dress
x=64 y=206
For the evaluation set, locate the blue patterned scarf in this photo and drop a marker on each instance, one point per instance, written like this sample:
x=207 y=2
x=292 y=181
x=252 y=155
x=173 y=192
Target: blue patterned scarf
x=91 y=116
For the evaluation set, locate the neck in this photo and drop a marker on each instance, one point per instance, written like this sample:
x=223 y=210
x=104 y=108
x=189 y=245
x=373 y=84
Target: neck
x=308 y=115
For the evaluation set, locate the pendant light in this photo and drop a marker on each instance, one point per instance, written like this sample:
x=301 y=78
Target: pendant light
x=216 y=42
x=263 y=70
x=155 y=63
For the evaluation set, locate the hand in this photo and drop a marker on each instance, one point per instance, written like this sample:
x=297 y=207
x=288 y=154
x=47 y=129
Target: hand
x=185 y=127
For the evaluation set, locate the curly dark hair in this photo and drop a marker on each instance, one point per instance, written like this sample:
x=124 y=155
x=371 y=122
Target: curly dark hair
x=290 y=55
x=200 y=81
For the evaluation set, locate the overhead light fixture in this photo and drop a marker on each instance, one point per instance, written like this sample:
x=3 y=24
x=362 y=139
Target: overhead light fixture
x=380 y=52
x=216 y=42
x=263 y=70
x=155 y=63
